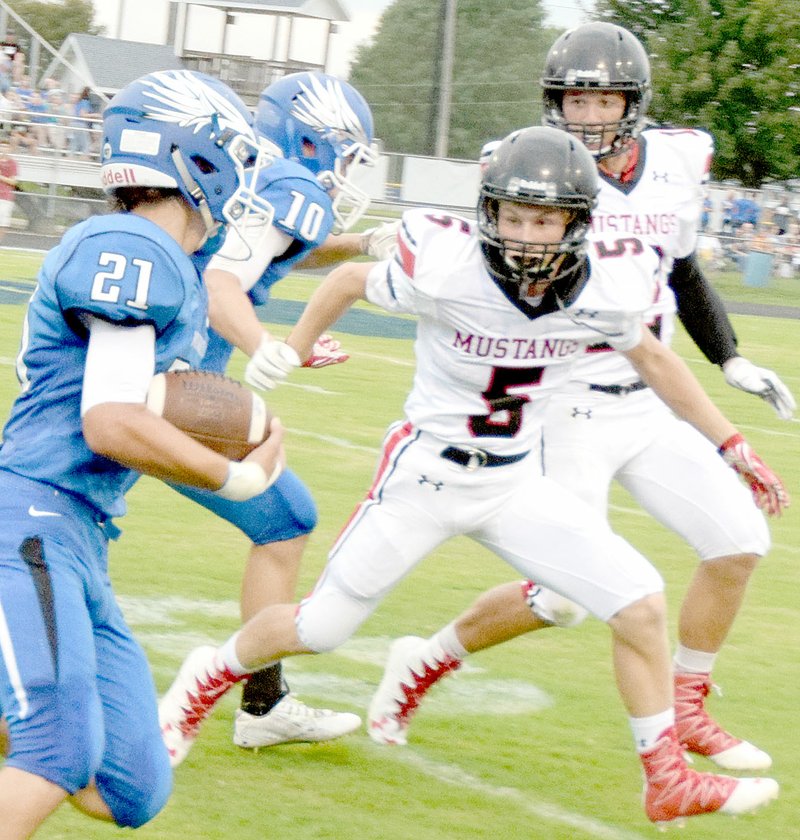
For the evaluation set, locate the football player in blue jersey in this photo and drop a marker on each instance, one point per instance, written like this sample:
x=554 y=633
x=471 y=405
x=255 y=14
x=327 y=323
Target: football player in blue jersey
x=117 y=300
x=320 y=131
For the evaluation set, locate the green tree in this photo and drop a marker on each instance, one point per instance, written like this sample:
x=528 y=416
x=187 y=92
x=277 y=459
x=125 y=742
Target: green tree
x=730 y=66
x=497 y=63
x=54 y=21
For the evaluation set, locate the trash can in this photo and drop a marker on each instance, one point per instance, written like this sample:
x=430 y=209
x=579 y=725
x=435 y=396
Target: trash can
x=758 y=268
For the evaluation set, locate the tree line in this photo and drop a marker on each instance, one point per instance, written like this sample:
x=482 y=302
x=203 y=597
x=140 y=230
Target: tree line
x=731 y=67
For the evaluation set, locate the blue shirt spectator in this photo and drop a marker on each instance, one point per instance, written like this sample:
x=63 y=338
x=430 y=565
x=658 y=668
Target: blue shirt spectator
x=744 y=210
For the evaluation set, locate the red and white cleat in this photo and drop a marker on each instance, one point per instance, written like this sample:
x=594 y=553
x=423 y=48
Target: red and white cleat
x=411 y=669
x=673 y=791
x=200 y=683
x=699 y=733
x=327 y=351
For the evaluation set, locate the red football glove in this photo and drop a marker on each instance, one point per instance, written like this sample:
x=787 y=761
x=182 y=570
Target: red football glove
x=326 y=352
x=768 y=491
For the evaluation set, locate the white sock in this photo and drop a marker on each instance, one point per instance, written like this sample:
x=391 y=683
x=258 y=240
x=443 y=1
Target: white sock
x=690 y=661
x=447 y=640
x=647 y=730
x=229 y=659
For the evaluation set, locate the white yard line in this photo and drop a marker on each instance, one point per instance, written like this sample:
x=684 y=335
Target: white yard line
x=523 y=800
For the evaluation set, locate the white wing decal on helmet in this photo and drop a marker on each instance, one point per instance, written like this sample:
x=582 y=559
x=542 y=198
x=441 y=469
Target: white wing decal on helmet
x=190 y=102
x=324 y=106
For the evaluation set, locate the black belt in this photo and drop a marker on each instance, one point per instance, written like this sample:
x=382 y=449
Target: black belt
x=619 y=390
x=474 y=458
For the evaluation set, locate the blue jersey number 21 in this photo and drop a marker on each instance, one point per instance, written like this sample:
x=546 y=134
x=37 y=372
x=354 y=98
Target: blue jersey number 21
x=106 y=284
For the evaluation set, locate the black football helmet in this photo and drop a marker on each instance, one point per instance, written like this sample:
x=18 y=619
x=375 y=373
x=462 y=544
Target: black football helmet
x=539 y=166
x=598 y=56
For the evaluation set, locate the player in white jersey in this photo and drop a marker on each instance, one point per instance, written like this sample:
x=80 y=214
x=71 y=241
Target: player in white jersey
x=504 y=309
x=608 y=425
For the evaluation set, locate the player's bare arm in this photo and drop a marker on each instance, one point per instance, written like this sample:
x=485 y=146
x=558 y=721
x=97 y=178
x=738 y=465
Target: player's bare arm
x=376 y=242
x=337 y=247
x=230 y=312
x=334 y=296
x=668 y=375
x=117 y=424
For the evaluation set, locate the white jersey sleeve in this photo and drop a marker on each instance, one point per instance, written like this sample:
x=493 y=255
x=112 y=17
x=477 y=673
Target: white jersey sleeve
x=397 y=285
x=247 y=255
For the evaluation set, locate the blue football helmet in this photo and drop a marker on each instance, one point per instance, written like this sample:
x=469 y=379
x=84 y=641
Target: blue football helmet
x=324 y=124
x=178 y=129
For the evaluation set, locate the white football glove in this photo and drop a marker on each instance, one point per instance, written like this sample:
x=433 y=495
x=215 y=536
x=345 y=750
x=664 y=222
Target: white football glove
x=272 y=362
x=326 y=351
x=380 y=242
x=743 y=374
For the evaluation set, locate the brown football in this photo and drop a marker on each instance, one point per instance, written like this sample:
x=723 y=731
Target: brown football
x=215 y=410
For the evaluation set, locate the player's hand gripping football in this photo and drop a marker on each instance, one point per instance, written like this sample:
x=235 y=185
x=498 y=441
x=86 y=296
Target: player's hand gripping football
x=380 y=242
x=270 y=454
x=743 y=374
x=272 y=362
x=768 y=491
x=326 y=351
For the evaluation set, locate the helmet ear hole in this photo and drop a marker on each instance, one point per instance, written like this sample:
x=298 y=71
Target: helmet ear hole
x=203 y=164
x=308 y=149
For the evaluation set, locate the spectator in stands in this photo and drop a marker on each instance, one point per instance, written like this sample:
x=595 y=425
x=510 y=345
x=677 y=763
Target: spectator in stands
x=710 y=251
x=6 y=114
x=8 y=186
x=21 y=137
x=84 y=117
x=39 y=119
x=48 y=87
x=781 y=216
x=5 y=73
x=793 y=247
x=727 y=211
x=740 y=246
x=23 y=89
x=705 y=217
x=18 y=67
x=60 y=119
x=745 y=210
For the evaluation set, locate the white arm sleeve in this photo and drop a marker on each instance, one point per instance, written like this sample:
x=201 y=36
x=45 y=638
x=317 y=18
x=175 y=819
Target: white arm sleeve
x=248 y=257
x=120 y=362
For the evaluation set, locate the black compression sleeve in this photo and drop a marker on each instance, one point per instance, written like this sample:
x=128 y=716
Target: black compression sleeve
x=701 y=311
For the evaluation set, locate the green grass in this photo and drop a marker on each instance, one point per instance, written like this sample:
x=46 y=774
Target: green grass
x=482 y=763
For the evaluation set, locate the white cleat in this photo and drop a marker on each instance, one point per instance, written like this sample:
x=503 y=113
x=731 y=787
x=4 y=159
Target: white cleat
x=702 y=735
x=411 y=669
x=291 y=721
x=200 y=683
x=674 y=792
x=749 y=795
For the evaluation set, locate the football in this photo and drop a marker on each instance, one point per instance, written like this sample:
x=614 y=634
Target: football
x=215 y=410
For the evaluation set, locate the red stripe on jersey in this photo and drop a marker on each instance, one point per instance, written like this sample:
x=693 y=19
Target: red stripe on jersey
x=407 y=259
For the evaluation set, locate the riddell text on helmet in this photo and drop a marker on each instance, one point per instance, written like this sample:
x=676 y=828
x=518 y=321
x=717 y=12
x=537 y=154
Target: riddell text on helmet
x=123 y=176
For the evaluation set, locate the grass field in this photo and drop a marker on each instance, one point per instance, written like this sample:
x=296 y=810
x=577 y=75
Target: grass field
x=530 y=739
